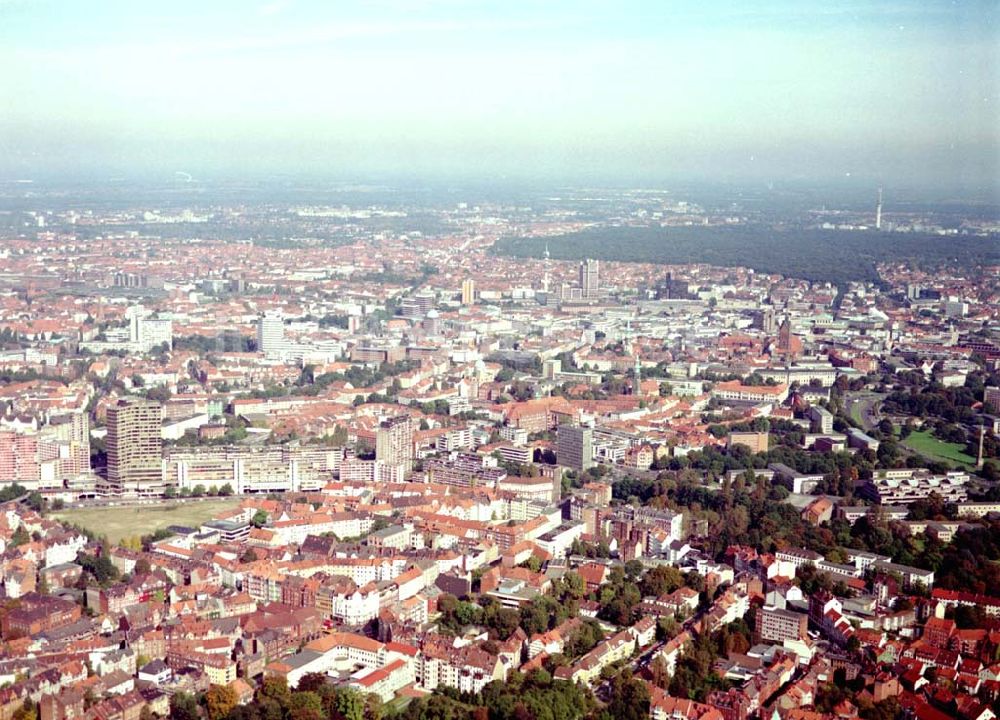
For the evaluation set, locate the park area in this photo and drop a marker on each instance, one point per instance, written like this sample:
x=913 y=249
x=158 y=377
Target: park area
x=926 y=444
x=128 y=521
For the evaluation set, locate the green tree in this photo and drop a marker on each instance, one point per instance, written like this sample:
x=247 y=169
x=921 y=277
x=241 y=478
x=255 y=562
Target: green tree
x=573 y=585
x=534 y=616
x=350 y=704
x=20 y=537
x=660 y=673
x=533 y=563
x=661 y=579
x=36 y=502
x=305 y=705
x=183 y=706
x=584 y=638
x=99 y=567
x=629 y=697
x=275 y=688
x=503 y=621
x=12 y=492
x=633 y=569
x=313 y=682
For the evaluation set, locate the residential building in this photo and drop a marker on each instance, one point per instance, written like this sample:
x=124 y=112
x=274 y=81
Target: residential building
x=135 y=448
x=394 y=444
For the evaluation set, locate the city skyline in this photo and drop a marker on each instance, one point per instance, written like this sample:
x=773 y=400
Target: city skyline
x=436 y=359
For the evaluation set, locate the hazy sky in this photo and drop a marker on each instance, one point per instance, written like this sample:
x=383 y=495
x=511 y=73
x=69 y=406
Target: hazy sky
x=883 y=91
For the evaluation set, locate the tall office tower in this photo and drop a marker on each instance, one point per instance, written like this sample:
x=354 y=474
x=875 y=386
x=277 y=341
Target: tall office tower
x=589 y=278
x=468 y=292
x=545 y=277
x=394 y=444
x=575 y=447
x=878 y=211
x=271 y=334
x=135 y=447
x=413 y=306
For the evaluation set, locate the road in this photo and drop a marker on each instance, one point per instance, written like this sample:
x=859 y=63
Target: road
x=864 y=407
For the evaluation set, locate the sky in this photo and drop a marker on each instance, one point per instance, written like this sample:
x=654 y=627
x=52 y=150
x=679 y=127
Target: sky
x=580 y=90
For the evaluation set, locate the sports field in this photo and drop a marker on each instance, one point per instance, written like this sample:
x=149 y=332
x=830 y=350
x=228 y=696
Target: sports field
x=137 y=520
x=929 y=446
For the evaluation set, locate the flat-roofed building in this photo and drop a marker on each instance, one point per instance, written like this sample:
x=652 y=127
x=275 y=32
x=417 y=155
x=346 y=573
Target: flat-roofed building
x=905 y=486
x=737 y=393
x=802 y=483
x=540 y=488
x=135 y=447
x=821 y=419
x=394 y=443
x=229 y=531
x=575 y=447
x=777 y=625
x=756 y=441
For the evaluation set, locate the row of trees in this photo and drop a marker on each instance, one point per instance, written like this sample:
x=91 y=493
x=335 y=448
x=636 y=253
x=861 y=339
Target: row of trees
x=534 y=696
x=314 y=699
x=200 y=491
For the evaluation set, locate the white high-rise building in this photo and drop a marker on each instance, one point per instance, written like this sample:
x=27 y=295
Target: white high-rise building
x=145 y=333
x=271 y=334
x=589 y=278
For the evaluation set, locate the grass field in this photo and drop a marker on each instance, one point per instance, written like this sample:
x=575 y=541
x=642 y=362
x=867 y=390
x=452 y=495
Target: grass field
x=397 y=704
x=120 y=522
x=856 y=414
x=926 y=444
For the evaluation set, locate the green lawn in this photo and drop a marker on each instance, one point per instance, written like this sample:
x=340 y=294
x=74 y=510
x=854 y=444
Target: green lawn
x=120 y=522
x=926 y=444
x=856 y=413
x=397 y=704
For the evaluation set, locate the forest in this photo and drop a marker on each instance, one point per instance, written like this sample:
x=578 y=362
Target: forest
x=834 y=256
